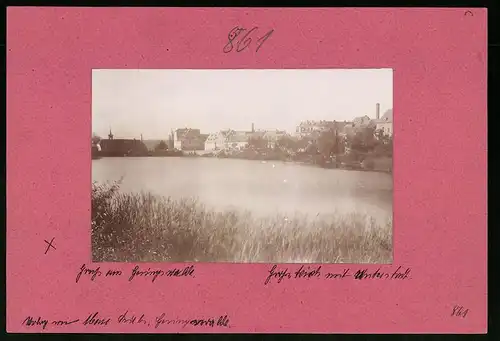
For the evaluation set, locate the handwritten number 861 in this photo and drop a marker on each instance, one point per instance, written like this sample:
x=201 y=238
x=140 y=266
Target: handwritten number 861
x=245 y=41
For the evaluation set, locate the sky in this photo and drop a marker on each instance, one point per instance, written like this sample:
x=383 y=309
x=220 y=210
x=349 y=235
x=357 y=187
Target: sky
x=153 y=102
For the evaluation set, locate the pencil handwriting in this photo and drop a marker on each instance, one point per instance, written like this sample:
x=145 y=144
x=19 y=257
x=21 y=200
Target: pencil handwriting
x=98 y=319
x=31 y=321
x=245 y=39
x=459 y=311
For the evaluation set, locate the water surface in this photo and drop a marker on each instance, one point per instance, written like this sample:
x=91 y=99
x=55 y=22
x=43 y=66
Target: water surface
x=263 y=188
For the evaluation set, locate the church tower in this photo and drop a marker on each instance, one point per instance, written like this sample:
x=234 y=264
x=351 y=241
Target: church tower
x=110 y=135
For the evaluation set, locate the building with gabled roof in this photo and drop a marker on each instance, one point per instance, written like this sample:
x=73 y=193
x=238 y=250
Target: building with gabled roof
x=189 y=139
x=384 y=124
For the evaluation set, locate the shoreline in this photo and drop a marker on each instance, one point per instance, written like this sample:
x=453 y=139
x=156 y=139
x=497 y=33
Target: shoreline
x=132 y=227
x=301 y=163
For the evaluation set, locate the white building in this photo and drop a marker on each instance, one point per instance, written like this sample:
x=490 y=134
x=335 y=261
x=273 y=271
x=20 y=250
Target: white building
x=384 y=124
x=362 y=122
x=308 y=127
x=237 y=140
x=216 y=141
x=385 y=127
x=272 y=136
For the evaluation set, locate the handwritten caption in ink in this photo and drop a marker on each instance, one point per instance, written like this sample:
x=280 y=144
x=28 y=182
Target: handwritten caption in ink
x=238 y=40
x=96 y=319
x=277 y=275
x=459 y=311
x=137 y=272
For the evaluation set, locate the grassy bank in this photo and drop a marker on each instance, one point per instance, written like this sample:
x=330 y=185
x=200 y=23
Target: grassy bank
x=354 y=161
x=143 y=227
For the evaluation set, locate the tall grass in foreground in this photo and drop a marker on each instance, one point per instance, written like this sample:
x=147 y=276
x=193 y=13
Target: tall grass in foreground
x=147 y=228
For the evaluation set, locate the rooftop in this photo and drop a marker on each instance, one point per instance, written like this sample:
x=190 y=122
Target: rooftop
x=387 y=116
x=238 y=136
x=274 y=134
x=187 y=132
x=256 y=134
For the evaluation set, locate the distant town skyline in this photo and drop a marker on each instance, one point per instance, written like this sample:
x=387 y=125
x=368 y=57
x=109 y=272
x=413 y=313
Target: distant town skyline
x=155 y=102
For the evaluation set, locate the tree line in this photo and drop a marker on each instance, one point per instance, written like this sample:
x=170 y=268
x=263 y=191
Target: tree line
x=327 y=144
x=331 y=143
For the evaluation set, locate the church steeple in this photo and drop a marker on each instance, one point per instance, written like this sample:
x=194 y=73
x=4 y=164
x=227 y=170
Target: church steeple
x=110 y=135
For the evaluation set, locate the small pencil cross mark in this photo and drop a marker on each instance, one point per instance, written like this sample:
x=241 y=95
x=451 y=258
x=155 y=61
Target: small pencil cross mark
x=49 y=245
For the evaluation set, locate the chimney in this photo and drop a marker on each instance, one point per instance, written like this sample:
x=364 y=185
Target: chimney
x=253 y=128
x=378 y=111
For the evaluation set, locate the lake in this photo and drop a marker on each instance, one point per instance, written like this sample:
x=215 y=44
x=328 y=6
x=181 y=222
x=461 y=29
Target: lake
x=263 y=188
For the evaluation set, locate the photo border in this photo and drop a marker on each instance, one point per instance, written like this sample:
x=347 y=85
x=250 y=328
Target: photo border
x=439 y=57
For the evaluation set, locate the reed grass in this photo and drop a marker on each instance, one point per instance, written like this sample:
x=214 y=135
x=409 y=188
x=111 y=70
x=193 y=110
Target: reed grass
x=142 y=227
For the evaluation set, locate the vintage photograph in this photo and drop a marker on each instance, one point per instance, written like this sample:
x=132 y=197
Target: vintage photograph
x=245 y=166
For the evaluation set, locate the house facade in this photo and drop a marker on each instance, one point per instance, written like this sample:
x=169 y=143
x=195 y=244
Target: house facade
x=306 y=128
x=216 y=141
x=237 y=140
x=272 y=137
x=189 y=139
x=384 y=124
x=385 y=128
x=227 y=140
x=362 y=122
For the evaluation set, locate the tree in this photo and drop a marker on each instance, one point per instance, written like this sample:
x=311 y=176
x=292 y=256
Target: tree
x=384 y=146
x=364 y=140
x=379 y=134
x=257 y=142
x=331 y=143
x=95 y=138
x=312 y=148
x=286 y=142
x=327 y=142
x=302 y=143
x=161 y=146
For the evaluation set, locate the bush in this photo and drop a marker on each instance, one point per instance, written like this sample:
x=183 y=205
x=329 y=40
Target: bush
x=144 y=227
x=369 y=164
